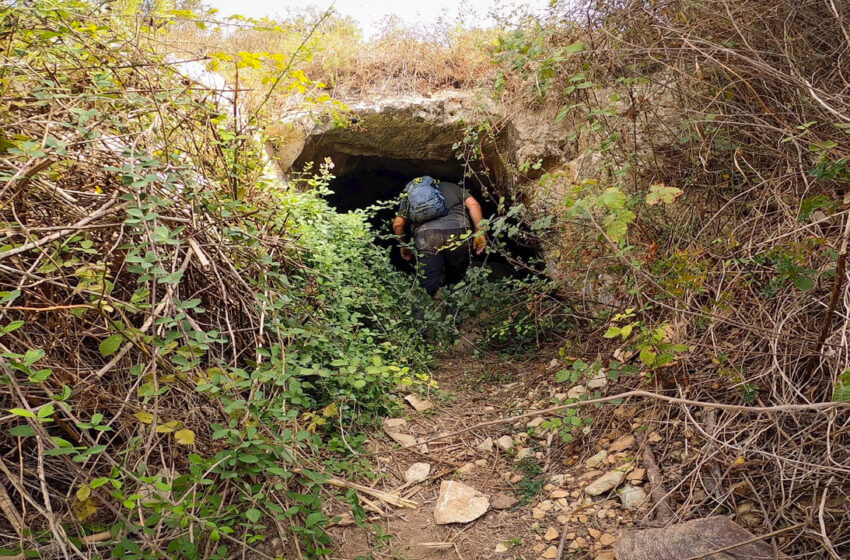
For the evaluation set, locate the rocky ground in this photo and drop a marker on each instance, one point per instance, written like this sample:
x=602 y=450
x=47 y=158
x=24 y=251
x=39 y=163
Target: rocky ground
x=512 y=490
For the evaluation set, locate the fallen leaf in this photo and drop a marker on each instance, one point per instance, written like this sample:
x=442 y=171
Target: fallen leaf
x=144 y=417
x=168 y=427
x=184 y=437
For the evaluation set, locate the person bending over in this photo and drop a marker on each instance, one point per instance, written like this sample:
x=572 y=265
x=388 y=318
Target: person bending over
x=436 y=211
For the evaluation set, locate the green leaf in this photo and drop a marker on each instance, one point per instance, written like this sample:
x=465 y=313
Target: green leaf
x=804 y=282
x=574 y=48
x=22 y=412
x=40 y=375
x=842 y=390
x=23 y=430
x=314 y=518
x=60 y=451
x=253 y=515
x=562 y=375
x=111 y=345
x=647 y=356
x=12 y=326
x=46 y=411
x=33 y=355
x=613 y=198
x=6 y=297
x=812 y=203
x=612 y=332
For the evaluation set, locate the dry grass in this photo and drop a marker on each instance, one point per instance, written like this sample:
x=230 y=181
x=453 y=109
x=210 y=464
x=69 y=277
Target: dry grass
x=339 y=62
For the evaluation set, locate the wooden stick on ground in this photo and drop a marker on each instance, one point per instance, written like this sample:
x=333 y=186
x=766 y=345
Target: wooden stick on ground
x=10 y=511
x=663 y=511
x=391 y=499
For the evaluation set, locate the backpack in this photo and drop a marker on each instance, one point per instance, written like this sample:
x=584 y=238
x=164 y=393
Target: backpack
x=425 y=200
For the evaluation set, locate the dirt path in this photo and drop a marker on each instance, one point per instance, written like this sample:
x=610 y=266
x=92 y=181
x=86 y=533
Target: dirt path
x=541 y=479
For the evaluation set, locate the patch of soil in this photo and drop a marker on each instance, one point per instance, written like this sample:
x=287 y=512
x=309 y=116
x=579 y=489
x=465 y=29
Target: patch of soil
x=553 y=509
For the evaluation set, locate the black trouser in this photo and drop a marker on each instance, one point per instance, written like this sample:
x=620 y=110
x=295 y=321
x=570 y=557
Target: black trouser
x=441 y=253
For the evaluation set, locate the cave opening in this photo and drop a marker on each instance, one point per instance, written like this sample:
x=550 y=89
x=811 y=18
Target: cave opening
x=365 y=180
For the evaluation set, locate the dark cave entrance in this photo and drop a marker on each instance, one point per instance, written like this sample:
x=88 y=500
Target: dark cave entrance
x=363 y=181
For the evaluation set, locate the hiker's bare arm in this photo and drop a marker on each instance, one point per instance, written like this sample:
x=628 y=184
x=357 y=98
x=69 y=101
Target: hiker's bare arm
x=474 y=211
x=476 y=215
x=399 y=225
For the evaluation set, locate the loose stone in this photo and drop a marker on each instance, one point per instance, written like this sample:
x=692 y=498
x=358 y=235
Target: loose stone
x=505 y=443
x=419 y=404
x=417 y=472
x=485 y=446
x=622 y=444
x=459 y=503
x=596 y=460
x=604 y=483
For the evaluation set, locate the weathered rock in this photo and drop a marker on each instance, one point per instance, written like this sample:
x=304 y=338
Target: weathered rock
x=604 y=483
x=505 y=443
x=654 y=437
x=699 y=537
x=607 y=539
x=485 y=446
x=551 y=534
x=466 y=469
x=417 y=472
x=459 y=503
x=503 y=501
x=576 y=391
x=622 y=444
x=402 y=127
x=500 y=548
x=405 y=440
x=596 y=460
x=419 y=404
x=636 y=475
x=632 y=496
x=535 y=422
x=551 y=552
x=523 y=453
x=598 y=381
x=395 y=424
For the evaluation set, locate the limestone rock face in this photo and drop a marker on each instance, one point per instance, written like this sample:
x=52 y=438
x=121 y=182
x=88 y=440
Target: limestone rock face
x=459 y=503
x=401 y=127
